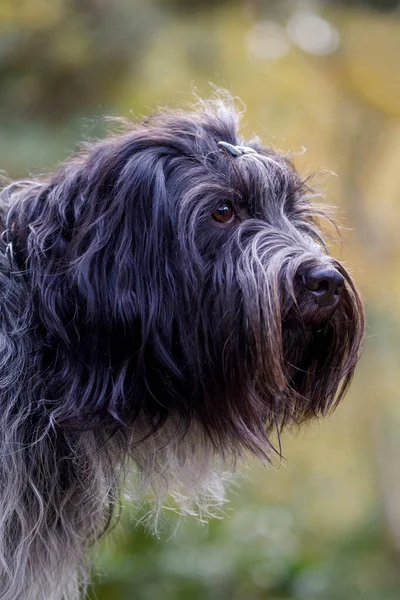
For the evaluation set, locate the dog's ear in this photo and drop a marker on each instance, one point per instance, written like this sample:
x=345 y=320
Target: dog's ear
x=94 y=237
x=94 y=243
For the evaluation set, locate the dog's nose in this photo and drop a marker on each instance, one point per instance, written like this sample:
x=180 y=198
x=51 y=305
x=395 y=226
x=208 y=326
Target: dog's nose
x=326 y=284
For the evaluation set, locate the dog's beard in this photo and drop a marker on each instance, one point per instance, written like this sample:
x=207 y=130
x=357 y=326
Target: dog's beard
x=266 y=355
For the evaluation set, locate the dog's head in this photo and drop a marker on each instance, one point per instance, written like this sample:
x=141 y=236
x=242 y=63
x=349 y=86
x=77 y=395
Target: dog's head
x=178 y=274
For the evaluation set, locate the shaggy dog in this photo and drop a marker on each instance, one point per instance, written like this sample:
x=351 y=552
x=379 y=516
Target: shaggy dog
x=167 y=302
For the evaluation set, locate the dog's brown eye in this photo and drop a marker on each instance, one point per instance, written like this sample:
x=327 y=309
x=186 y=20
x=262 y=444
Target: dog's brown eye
x=223 y=213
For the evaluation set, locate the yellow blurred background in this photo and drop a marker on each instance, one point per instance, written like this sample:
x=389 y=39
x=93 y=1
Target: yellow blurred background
x=320 y=79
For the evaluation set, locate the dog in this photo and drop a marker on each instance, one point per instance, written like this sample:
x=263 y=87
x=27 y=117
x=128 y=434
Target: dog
x=168 y=303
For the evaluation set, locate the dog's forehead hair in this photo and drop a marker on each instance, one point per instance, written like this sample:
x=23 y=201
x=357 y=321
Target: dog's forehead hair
x=266 y=186
x=263 y=183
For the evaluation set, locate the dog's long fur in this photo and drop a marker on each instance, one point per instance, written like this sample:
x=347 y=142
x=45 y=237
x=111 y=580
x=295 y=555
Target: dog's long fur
x=138 y=333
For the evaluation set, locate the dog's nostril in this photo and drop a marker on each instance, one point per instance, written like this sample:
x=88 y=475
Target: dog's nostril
x=326 y=284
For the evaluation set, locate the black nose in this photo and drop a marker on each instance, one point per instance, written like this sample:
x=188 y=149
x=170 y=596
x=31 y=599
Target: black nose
x=326 y=284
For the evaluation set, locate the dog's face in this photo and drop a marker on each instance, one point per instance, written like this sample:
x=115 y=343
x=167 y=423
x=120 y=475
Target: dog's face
x=178 y=277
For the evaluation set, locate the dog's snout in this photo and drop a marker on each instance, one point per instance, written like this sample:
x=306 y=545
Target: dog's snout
x=326 y=284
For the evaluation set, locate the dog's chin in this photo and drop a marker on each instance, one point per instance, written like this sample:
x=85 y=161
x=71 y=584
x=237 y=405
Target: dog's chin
x=320 y=315
x=310 y=314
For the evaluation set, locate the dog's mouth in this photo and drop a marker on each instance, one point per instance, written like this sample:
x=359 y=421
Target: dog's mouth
x=309 y=315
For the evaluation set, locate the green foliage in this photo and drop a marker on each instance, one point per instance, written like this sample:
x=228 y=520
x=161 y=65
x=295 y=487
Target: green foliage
x=258 y=552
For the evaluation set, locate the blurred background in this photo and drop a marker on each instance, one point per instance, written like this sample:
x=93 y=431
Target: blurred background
x=320 y=79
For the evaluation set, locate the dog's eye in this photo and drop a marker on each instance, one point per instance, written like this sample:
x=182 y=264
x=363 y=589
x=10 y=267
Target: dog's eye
x=223 y=213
